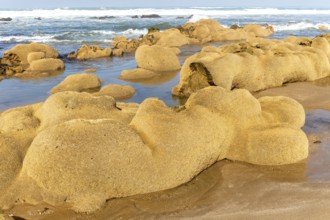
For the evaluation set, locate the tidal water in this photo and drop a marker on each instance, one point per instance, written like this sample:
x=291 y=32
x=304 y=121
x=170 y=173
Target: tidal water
x=67 y=29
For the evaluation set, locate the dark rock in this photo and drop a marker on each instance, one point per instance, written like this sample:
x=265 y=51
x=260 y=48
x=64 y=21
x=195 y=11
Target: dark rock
x=103 y=17
x=151 y=16
x=38 y=18
x=235 y=27
x=6 y=19
x=152 y=30
x=135 y=16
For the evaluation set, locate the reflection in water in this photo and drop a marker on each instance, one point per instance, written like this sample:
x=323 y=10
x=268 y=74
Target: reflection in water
x=159 y=78
x=322 y=82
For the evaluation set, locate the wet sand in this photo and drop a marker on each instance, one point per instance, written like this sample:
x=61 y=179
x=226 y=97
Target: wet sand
x=234 y=190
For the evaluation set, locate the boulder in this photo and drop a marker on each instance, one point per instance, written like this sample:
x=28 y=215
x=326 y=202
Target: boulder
x=49 y=64
x=88 y=150
x=78 y=82
x=33 y=56
x=157 y=58
x=118 y=92
x=171 y=38
x=20 y=52
x=258 y=30
x=255 y=65
x=19 y=59
x=90 y=52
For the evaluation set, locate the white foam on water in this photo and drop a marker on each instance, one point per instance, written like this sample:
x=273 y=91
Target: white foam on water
x=299 y=26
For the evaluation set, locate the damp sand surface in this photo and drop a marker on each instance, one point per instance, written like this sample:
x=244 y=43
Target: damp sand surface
x=234 y=190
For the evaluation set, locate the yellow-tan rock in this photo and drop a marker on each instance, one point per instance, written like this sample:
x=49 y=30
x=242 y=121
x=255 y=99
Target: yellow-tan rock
x=78 y=82
x=33 y=56
x=258 y=30
x=19 y=59
x=91 y=52
x=118 y=92
x=22 y=51
x=88 y=149
x=157 y=58
x=49 y=64
x=255 y=65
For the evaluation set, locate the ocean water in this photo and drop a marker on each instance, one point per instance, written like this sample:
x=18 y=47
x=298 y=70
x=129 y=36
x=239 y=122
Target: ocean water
x=67 y=29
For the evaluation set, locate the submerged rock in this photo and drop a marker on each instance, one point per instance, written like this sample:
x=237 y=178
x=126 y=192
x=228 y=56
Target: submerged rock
x=118 y=92
x=78 y=82
x=103 y=17
x=6 y=19
x=91 y=70
x=255 y=65
x=110 y=152
x=151 y=16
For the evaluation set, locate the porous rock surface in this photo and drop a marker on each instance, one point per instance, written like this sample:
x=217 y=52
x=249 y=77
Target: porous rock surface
x=152 y=61
x=78 y=82
x=30 y=59
x=118 y=92
x=87 y=82
x=84 y=149
x=256 y=65
x=86 y=52
x=200 y=32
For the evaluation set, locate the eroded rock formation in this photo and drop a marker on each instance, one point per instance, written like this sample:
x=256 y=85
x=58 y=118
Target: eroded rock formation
x=153 y=61
x=90 y=52
x=203 y=31
x=256 y=65
x=30 y=59
x=81 y=149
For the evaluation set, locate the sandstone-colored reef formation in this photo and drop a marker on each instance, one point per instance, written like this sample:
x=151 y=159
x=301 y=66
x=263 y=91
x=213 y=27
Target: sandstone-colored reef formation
x=80 y=149
x=118 y=92
x=256 y=65
x=153 y=61
x=200 y=32
x=87 y=82
x=90 y=52
x=24 y=59
x=78 y=82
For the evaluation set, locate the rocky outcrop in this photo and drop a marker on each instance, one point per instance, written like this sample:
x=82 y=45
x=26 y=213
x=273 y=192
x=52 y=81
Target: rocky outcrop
x=84 y=149
x=103 y=17
x=6 y=19
x=201 y=32
x=152 y=61
x=79 y=82
x=256 y=65
x=86 y=82
x=30 y=59
x=90 y=52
